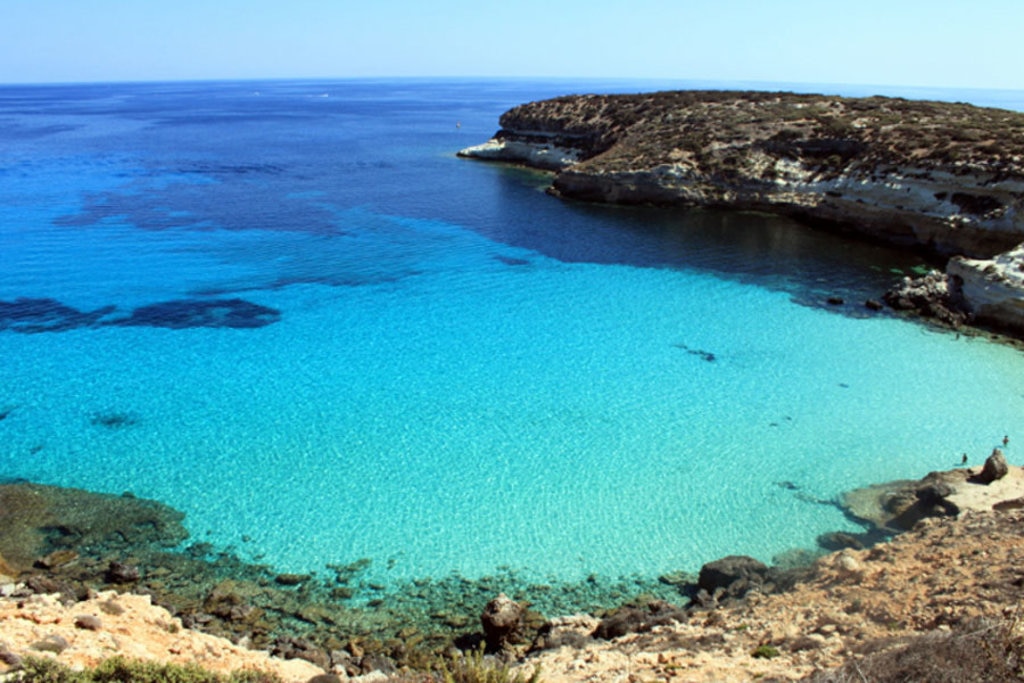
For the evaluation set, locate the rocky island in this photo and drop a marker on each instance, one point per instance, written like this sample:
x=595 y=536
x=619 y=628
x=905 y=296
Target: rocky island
x=943 y=178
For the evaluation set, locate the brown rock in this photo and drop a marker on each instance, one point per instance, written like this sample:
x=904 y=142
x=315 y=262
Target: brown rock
x=573 y=631
x=291 y=579
x=58 y=558
x=995 y=468
x=119 y=572
x=88 y=622
x=502 y=622
x=53 y=643
x=6 y=569
x=736 y=574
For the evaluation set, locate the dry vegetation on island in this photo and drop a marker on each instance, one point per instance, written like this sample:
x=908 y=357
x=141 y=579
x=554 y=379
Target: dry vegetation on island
x=716 y=130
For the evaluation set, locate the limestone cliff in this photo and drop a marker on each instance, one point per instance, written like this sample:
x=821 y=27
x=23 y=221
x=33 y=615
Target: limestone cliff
x=993 y=289
x=948 y=178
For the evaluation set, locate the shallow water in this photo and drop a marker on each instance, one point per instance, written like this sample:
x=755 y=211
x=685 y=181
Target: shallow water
x=288 y=310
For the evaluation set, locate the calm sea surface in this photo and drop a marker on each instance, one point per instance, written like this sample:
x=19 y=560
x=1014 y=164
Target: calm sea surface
x=288 y=310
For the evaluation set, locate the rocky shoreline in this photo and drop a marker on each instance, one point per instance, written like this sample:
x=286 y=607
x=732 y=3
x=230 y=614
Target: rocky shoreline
x=945 y=179
x=64 y=562
x=85 y=576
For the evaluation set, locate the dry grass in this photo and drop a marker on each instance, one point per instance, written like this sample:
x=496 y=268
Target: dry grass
x=983 y=652
x=721 y=130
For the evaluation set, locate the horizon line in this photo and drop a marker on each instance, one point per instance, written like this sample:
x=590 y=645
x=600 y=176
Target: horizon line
x=480 y=78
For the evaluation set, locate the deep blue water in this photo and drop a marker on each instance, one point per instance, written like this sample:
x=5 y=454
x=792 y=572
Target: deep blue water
x=288 y=309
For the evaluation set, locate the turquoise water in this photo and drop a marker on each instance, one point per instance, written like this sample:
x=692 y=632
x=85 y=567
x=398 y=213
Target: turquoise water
x=310 y=327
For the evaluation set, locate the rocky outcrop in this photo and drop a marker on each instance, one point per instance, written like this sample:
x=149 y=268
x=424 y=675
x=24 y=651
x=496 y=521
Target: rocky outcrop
x=502 y=622
x=85 y=633
x=633 y=619
x=993 y=289
x=935 y=295
x=537 y=150
x=987 y=292
x=995 y=468
x=735 y=574
x=948 y=178
x=943 y=178
x=934 y=581
x=899 y=505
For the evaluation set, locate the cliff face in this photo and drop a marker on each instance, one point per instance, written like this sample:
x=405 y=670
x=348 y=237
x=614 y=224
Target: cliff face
x=993 y=288
x=948 y=178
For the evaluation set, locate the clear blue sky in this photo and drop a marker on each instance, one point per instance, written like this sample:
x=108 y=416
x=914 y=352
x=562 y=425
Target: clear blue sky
x=957 y=43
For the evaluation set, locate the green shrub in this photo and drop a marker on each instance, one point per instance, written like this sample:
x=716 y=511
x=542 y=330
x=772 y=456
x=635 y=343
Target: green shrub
x=765 y=652
x=473 y=668
x=121 y=670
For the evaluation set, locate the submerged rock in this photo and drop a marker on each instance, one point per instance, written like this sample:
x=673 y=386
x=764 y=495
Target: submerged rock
x=119 y=572
x=36 y=521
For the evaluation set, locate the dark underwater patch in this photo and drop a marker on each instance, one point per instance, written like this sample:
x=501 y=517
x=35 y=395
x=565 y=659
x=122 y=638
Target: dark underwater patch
x=186 y=313
x=200 y=196
x=32 y=316
x=700 y=353
x=511 y=261
x=114 y=420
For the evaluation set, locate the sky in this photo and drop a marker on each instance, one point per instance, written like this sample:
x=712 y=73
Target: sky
x=927 y=43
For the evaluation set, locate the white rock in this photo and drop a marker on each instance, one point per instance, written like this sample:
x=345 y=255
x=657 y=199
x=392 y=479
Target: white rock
x=993 y=288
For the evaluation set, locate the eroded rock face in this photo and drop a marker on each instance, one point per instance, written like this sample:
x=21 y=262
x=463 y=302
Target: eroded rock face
x=993 y=289
x=948 y=178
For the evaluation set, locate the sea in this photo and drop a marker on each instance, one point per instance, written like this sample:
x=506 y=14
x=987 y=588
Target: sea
x=288 y=310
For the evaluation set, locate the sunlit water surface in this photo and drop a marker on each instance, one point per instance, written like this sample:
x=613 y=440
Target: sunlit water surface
x=288 y=310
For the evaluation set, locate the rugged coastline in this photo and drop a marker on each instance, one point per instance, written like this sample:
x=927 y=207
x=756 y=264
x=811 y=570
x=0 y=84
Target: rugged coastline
x=945 y=179
x=116 y=551
x=91 y=575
